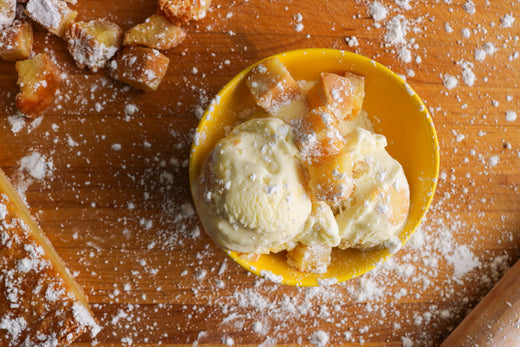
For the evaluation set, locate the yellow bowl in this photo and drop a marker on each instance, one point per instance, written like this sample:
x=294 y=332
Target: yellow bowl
x=396 y=112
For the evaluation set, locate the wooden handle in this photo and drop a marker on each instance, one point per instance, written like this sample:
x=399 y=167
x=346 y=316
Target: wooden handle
x=495 y=321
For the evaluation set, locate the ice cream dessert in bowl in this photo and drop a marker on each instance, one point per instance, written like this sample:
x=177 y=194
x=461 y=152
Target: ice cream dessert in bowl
x=312 y=166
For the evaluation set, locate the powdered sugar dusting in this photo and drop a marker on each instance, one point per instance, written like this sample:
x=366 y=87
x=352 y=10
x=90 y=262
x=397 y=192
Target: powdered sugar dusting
x=45 y=11
x=83 y=316
x=396 y=30
x=123 y=172
x=511 y=116
x=449 y=81
x=378 y=11
x=462 y=260
x=36 y=165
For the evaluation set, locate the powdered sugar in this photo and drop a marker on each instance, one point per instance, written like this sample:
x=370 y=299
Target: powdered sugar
x=396 y=30
x=352 y=41
x=377 y=11
x=49 y=13
x=511 y=116
x=14 y=327
x=83 y=316
x=507 y=21
x=467 y=73
x=319 y=338
x=449 y=81
x=469 y=7
x=462 y=260
x=36 y=165
x=17 y=123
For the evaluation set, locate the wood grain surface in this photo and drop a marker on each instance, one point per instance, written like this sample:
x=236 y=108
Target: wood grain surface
x=116 y=202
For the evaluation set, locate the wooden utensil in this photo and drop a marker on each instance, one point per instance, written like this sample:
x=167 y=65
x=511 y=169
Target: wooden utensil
x=495 y=321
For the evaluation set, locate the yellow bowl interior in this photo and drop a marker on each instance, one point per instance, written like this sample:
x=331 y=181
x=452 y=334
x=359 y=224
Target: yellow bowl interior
x=396 y=112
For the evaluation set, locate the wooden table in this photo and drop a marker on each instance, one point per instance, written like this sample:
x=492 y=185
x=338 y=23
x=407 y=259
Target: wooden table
x=116 y=202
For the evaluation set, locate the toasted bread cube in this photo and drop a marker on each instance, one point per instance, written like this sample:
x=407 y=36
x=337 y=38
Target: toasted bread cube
x=328 y=166
x=16 y=41
x=182 y=11
x=310 y=258
x=291 y=110
x=141 y=67
x=317 y=134
x=94 y=43
x=39 y=80
x=272 y=85
x=276 y=91
x=330 y=177
x=54 y=15
x=156 y=32
x=7 y=12
x=337 y=93
x=358 y=91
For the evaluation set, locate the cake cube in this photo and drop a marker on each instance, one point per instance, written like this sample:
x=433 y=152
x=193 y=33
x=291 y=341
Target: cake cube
x=317 y=134
x=7 y=12
x=16 y=41
x=92 y=44
x=142 y=68
x=39 y=80
x=182 y=11
x=310 y=258
x=330 y=177
x=156 y=32
x=272 y=85
x=358 y=91
x=337 y=93
x=54 y=15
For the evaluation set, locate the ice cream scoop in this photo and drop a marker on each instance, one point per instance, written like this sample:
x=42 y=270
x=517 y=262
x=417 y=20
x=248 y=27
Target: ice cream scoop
x=251 y=193
x=379 y=206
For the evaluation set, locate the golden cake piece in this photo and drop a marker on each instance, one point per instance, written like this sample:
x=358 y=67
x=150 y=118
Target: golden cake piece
x=327 y=166
x=156 y=32
x=94 y=43
x=330 y=177
x=275 y=90
x=313 y=258
x=358 y=91
x=7 y=12
x=141 y=67
x=182 y=11
x=40 y=303
x=38 y=79
x=340 y=94
x=16 y=41
x=54 y=15
x=317 y=134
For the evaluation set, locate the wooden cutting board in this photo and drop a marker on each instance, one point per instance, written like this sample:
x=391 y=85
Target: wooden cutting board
x=116 y=202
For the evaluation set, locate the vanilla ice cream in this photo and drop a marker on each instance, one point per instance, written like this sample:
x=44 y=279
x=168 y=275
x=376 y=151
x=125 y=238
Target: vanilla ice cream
x=251 y=195
x=379 y=206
